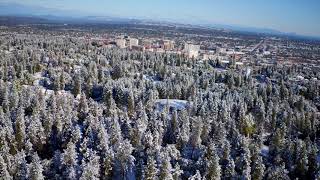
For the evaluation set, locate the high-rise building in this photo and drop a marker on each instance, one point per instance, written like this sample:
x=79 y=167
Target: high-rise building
x=121 y=43
x=147 y=43
x=167 y=45
x=191 y=47
x=191 y=50
x=133 y=42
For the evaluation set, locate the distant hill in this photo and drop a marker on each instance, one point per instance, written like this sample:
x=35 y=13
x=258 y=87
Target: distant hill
x=15 y=9
x=18 y=10
x=13 y=20
x=36 y=14
x=248 y=29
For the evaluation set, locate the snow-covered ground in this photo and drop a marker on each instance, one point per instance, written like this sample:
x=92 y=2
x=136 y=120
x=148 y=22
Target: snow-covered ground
x=149 y=78
x=265 y=151
x=47 y=92
x=77 y=68
x=172 y=103
x=220 y=70
x=37 y=77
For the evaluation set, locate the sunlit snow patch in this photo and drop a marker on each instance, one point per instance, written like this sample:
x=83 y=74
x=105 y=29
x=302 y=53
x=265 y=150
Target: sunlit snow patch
x=172 y=103
x=265 y=151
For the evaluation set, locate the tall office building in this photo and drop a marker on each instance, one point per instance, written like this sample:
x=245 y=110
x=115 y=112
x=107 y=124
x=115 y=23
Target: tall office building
x=191 y=50
x=121 y=43
x=133 y=42
x=168 y=45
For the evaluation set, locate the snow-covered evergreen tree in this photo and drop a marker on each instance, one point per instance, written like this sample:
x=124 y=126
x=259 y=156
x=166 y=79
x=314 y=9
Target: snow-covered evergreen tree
x=36 y=169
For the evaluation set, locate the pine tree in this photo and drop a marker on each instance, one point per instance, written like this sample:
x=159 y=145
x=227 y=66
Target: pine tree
x=213 y=166
x=177 y=172
x=247 y=125
x=56 y=164
x=184 y=131
x=77 y=85
x=277 y=141
x=117 y=72
x=151 y=169
x=5 y=99
x=56 y=83
x=314 y=167
x=83 y=108
x=62 y=80
x=109 y=102
x=195 y=139
x=103 y=138
x=21 y=164
x=14 y=98
x=36 y=133
x=115 y=134
x=165 y=169
x=69 y=161
x=4 y=173
x=20 y=129
x=245 y=161
x=130 y=104
x=197 y=176
x=124 y=158
x=107 y=164
x=301 y=168
x=277 y=172
x=258 y=169
x=101 y=75
x=90 y=169
x=229 y=172
x=36 y=169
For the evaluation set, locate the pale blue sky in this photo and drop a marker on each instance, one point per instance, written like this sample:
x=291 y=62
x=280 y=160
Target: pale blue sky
x=300 y=16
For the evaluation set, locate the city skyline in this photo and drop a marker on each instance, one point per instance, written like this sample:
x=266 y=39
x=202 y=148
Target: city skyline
x=287 y=16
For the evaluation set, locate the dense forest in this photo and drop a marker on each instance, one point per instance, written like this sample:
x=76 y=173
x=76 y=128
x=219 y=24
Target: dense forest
x=73 y=110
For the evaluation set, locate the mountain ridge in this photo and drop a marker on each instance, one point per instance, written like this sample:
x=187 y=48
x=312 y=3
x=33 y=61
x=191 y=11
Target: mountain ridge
x=19 y=10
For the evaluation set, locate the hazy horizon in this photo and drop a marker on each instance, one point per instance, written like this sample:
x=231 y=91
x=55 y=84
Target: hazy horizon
x=296 y=16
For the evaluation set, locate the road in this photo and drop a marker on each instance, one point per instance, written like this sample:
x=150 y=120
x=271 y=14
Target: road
x=256 y=46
